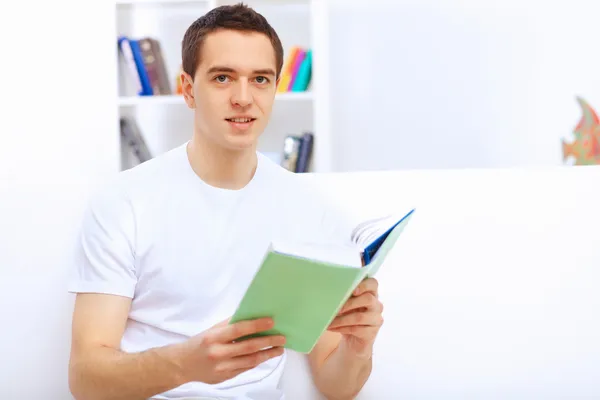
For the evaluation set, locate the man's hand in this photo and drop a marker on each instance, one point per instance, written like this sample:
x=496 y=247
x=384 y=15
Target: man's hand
x=360 y=319
x=98 y=369
x=215 y=356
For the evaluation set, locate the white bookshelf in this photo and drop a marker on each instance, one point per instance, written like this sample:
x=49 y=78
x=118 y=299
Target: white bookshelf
x=166 y=121
x=161 y=2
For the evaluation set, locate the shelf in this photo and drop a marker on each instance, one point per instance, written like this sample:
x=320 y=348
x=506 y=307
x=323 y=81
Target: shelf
x=163 y=2
x=291 y=96
x=252 y=3
x=133 y=101
x=129 y=101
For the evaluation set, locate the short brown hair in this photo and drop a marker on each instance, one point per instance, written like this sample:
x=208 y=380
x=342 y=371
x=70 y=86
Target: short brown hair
x=236 y=17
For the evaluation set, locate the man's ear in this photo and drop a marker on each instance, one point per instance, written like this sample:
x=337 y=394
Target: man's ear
x=187 y=88
x=277 y=82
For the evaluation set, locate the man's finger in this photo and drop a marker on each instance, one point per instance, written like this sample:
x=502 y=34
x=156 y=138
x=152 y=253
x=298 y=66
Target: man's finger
x=252 y=345
x=249 y=361
x=357 y=318
x=229 y=333
x=366 y=300
x=368 y=285
x=363 y=332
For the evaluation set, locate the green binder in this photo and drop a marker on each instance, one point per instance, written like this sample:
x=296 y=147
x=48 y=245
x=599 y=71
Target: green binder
x=303 y=287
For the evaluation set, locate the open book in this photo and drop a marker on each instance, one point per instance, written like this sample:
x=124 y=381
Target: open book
x=303 y=286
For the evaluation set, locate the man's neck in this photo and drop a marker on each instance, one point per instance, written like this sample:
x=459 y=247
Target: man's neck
x=220 y=167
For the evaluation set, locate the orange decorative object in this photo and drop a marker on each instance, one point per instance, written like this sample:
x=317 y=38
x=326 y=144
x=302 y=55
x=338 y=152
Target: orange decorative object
x=178 y=87
x=585 y=148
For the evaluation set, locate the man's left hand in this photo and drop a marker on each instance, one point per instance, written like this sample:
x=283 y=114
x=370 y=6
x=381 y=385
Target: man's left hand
x=360 y=318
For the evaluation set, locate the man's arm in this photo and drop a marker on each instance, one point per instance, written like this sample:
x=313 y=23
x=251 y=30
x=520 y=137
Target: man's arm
x=337 y=372
x=341 y=361
x=99 y=370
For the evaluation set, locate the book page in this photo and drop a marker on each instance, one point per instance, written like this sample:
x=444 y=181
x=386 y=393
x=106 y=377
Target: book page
x=329 y=253
x=367 y=231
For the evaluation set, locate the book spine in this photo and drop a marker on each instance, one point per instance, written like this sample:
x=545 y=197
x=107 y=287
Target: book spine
x=300 y=55
x=133 y=138
x=286 y=72
x=291 y=146
x=305 y=152
x=141 y=68
x=127 y=53
x=151 y=65
x=304 y=74
x=164 y=83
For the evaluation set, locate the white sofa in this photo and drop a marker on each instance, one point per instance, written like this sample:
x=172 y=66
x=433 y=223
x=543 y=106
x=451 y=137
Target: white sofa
x=491 y=293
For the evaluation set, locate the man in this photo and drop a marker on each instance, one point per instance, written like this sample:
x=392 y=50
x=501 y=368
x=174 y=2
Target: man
x=168 y=249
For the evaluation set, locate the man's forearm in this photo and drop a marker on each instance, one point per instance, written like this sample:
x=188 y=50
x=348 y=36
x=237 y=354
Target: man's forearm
x=106 y=373
x=342 y=375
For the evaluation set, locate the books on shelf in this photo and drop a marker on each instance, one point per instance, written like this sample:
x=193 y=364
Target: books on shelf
x=146 y=65
x=147 y=68
x=132 y=138
x=297 y=152
x=302 y=286
x=297 y=71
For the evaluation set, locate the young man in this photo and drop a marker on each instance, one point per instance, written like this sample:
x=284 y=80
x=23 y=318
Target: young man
x=168 y=249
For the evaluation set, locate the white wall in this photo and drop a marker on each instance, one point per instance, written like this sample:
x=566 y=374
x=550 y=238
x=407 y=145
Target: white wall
x=57 y=137
x=459 y=83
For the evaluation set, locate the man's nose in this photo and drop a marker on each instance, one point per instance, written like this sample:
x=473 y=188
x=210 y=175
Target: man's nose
x=241 y=95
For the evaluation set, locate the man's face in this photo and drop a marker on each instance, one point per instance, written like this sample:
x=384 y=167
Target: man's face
x=234 y=88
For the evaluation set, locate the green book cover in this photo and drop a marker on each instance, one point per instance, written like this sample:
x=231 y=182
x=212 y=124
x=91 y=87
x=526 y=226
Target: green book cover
x=303 y=286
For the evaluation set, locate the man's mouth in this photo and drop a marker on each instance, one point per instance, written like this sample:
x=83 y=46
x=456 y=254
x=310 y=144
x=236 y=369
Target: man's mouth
x=240 y=120
x=241 y=124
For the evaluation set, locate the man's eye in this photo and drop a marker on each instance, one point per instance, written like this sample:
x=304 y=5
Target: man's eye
x=221 y=78
x=262 y=79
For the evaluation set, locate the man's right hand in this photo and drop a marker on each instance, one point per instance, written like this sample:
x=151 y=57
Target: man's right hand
x=215 y=356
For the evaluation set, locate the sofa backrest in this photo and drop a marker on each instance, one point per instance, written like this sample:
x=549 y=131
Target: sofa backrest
x=492 y=292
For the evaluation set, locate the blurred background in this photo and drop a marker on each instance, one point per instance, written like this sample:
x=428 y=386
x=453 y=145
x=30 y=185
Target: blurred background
x=378 y=85
x=89 y=88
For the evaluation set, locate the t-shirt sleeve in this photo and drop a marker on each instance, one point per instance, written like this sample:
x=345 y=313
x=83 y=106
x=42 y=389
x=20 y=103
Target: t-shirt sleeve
x=104 y=260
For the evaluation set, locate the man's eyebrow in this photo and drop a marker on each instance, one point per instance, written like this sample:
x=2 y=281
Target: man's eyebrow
x=263 y=71
x=220 y=69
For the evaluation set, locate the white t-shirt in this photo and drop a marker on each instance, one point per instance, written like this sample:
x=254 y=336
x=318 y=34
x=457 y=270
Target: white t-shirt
x=185 y=252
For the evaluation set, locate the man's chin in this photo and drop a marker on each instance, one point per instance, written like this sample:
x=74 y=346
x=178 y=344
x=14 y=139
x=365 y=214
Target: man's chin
x=241 y=142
